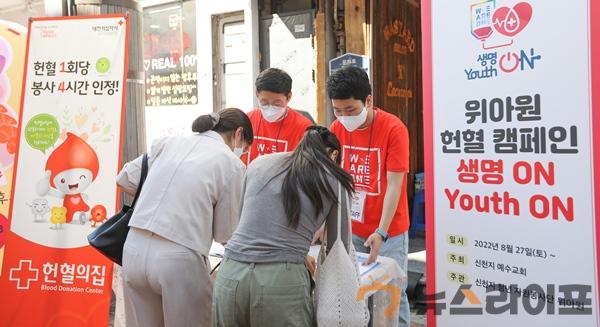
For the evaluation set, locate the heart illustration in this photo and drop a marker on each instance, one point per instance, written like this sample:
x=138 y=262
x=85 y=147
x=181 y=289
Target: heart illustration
x=80 y=120
x=75 y=200
x=511 y=21
x=146 y=64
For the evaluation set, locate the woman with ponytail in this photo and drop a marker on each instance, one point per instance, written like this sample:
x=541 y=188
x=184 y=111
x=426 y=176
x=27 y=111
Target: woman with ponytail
x=286 y=197
x=190 y=197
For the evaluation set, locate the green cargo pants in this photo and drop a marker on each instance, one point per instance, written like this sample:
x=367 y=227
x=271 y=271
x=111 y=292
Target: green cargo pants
x=262 y=295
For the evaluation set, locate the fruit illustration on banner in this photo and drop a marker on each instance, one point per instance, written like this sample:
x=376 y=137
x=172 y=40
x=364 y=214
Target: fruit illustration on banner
x=12 y=46
x=8 y=122
x=58 y=217
x=98 y=215
x=102 y=65
x=8 y=136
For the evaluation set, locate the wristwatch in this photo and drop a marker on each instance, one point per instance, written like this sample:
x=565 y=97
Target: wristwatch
x=384 y=235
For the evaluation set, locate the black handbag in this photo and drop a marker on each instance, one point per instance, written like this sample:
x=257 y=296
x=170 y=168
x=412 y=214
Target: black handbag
x=109 y=238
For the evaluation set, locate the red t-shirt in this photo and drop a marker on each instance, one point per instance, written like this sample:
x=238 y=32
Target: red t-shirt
x=368 y=165
x=280 y=136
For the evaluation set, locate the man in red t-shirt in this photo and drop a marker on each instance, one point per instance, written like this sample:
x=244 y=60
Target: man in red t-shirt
x=277 y=128
x=375 y=151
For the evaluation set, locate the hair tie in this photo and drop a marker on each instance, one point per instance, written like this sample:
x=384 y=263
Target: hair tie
x=215 y=118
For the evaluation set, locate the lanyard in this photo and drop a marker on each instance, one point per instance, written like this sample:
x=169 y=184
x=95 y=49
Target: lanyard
x=278 y=131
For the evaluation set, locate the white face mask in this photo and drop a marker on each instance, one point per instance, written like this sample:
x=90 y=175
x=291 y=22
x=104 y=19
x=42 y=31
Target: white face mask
x=238 y=152
x=272 y=113
x=351 y=123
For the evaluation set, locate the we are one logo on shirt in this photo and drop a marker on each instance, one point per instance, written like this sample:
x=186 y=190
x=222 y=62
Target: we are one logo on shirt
x=364 y=166
x=267 y=145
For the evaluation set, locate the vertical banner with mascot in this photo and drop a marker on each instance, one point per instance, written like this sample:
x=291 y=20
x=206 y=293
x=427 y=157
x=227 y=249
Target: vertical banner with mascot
x=67 y=157
x=13 y=38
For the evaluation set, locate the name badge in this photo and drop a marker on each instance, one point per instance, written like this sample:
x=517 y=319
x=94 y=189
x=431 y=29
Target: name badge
x=358 y=205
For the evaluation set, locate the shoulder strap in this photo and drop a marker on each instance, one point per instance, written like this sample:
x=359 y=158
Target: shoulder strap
x=339 y=211
x=142 y=179
x=342 y=204
x=338 y=224
x=344 y=200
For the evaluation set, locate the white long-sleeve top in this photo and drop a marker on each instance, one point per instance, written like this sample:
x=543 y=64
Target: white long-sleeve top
x=192 y=193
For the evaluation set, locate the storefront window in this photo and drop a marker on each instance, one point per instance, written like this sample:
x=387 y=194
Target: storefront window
x=170 y=54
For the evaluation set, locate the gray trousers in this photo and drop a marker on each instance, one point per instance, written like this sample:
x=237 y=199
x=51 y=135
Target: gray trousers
x=262 y=295
x=165 y=284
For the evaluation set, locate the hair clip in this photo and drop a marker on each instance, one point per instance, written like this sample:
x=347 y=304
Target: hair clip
x=215 y=118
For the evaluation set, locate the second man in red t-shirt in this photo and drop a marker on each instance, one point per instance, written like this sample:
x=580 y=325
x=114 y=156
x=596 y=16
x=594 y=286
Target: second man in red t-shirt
x=277 y=127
